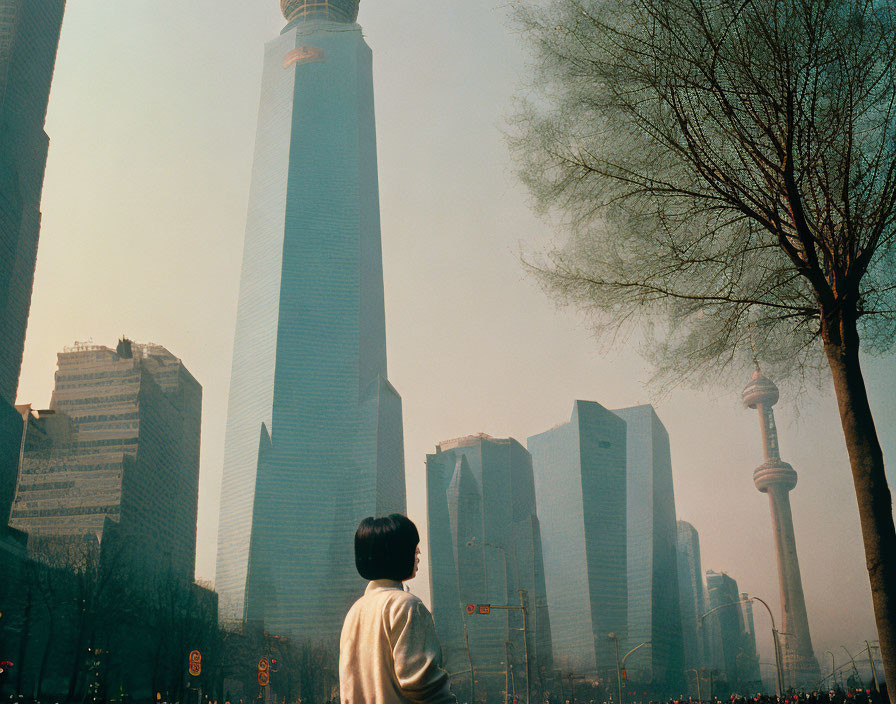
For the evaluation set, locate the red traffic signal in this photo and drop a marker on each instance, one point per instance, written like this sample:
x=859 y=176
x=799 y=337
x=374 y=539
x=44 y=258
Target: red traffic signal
x=471 y=608
x=264 y=665
x=195 y=656
x=264 y=679
x=624 y=675
x=485 y=608
x=195 y=669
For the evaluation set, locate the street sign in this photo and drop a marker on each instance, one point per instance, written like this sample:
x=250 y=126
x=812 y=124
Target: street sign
x=264 y=665
x=195 y=656
x=471 y=608
x=195 y=669
x=485 y=608
x=264 y=679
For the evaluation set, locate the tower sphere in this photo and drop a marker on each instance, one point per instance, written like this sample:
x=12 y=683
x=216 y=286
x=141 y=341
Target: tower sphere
x=333 y=10
x=760 y=390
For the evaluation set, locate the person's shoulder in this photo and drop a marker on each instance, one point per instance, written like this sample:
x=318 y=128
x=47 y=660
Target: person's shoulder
x=402 y=604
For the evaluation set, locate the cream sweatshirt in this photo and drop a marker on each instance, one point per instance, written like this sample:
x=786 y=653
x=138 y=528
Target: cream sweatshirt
x=389 y=652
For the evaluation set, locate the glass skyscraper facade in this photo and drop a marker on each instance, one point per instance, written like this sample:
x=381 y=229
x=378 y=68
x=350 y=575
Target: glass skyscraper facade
x=654 y=612
x=29 y=36
x=580 y=483
x=484 y=546
x=690 y=596
x=314 y=432
x=740 y=665
x=117 y=454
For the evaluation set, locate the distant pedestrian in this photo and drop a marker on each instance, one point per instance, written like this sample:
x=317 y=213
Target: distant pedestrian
x=389 y=652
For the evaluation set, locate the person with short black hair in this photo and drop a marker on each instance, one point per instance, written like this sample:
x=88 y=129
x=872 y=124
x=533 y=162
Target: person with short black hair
x=389 y=652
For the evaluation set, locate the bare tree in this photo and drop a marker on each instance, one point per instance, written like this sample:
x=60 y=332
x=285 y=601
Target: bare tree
x=727 y=171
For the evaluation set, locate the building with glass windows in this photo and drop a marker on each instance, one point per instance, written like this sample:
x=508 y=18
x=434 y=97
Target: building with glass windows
x=654 y=612
x=29 y=36
x=485 y=546
x=580 y=485
x=115 y=459
x=690 y=598
x=314 y=431
x=737 y=640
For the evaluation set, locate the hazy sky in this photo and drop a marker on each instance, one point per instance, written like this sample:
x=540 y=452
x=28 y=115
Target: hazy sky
x=152 y=127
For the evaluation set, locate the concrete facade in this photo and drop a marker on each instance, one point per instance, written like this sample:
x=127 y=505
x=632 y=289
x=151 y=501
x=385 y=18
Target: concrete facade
x=580 y=483
x=777 y=479
x=485 y=546
x=116 y=455
x=314 y=438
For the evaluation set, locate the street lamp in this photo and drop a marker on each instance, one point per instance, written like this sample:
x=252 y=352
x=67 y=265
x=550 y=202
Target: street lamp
x=833 y=669
x=612 y=636
x=854 y=668
x=779 y=669
x=696 y=677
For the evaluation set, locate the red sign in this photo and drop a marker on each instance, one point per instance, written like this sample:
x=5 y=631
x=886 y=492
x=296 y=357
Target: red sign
x=195 y=656
x=263 y=665
x=471 y=608
x=485 y=608
x=195 y=669
x=264 y=679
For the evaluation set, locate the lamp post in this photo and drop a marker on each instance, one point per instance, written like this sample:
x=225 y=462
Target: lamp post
x=696 y=677
x=612 y=636
x=833 y=669
x=855 y=669
x=779 y=669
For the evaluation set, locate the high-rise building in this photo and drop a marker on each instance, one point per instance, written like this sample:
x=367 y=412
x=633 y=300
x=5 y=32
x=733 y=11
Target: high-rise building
x=314 y=432
x=654 y=612
x=690 y=597
x=737 y=640
x=115 y=459
x=580 y=486
x=485 y=546
x=777 y=479
x=29 y=36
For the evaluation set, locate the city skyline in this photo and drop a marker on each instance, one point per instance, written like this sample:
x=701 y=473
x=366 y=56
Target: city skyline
x=706 y=439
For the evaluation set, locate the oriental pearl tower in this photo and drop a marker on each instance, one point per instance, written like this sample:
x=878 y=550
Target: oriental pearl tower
x=777 y=478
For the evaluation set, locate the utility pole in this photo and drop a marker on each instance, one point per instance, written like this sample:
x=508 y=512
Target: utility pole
x=612 y=636
x=873 y=668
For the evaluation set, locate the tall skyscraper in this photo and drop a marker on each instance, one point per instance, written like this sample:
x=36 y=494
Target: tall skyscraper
x=580 y=486
x=484 y=546
x=740 y=666
x=117 y=454
x=777 y=478
x=29 y=36
x=690 y=597
x=314 y=433
x=654 y=612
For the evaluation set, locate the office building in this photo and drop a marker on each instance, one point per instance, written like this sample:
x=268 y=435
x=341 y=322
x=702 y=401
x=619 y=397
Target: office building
x=484 y=547
x=114 y=461
x=654 y=612
x=314 y=438
x=690 y=598
x=580 y=485
x=29 y=36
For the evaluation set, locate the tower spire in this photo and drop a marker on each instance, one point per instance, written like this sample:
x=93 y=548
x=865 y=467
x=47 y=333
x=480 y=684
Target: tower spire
x=777 y=478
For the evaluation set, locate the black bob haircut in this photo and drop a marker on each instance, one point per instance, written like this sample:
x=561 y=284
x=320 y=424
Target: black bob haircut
x=385 y=548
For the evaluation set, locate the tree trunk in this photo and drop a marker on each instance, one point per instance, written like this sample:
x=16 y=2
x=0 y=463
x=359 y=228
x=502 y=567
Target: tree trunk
x=872 y=492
